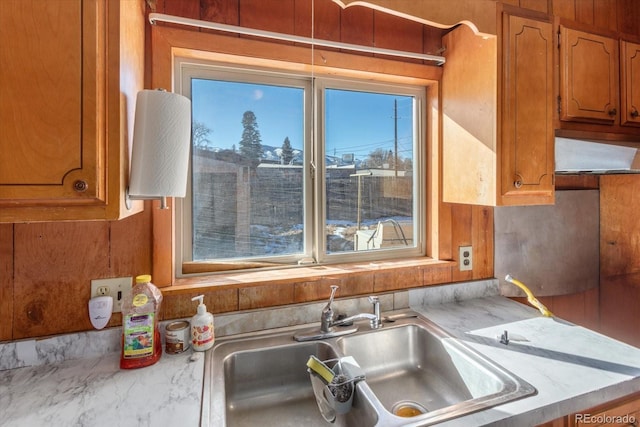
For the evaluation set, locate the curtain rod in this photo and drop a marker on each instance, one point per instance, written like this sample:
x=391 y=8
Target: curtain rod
x=161 y=17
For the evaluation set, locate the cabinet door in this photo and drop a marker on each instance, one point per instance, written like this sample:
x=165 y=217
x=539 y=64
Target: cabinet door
x=589 y=89
x=48 y=102
x=629 y=83
x=527 y=153
x=69 y=74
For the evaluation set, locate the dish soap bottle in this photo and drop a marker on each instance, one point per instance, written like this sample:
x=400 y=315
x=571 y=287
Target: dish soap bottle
x=141 y=343
x=202 y=335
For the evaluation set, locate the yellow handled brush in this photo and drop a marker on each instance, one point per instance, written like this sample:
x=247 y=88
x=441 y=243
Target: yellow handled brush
x=532 y=300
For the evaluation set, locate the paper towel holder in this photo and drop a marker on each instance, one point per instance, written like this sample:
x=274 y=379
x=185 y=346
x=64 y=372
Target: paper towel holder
x=161 y=147
x=128 y=199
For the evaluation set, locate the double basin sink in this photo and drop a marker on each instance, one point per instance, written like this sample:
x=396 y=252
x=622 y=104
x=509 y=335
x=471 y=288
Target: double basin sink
x=416 y=374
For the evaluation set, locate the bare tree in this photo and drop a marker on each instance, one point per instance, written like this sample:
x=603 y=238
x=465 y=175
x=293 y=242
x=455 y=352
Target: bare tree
x=199 y=132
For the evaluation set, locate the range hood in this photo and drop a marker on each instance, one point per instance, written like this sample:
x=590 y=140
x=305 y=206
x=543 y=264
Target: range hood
x=598 y=157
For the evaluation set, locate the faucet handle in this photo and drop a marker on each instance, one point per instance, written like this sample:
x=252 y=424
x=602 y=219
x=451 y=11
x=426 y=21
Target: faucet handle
x=326 y=317
x=334 y=288
x=327 y=310
x=376 y=304
x=377 y=321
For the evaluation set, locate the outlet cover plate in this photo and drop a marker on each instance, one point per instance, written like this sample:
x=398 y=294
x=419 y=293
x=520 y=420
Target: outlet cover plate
x=466 y=258
x=118 y=288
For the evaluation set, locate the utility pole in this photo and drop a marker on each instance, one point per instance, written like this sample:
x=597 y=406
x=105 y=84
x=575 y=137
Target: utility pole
x=395 y=136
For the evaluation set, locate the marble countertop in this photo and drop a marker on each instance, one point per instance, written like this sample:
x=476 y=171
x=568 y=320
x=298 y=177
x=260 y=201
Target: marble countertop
x=96 y=392
x=572 y=368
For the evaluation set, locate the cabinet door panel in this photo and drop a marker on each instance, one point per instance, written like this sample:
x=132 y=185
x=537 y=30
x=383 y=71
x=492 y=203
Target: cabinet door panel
x=589 y=77
x=630 y=83
x=527 y=127
x=35 y=120
x=48 y=145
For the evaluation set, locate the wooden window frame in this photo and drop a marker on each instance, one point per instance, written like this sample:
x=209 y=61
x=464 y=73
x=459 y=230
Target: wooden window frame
x=168 y=43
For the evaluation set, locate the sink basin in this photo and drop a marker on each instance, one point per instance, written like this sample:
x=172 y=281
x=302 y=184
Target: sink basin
x=261 y=384
x=416 y=374
x=265 y=382
x=416 y=370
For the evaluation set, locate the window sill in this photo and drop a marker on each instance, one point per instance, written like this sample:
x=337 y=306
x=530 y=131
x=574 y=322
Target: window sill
x=382 y=276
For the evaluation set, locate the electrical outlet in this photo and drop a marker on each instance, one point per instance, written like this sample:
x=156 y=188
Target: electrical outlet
x=466 y=258
x=118 y=288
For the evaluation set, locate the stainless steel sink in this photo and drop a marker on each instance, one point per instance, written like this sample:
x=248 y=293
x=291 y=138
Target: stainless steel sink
x=417 y=371
x=261 y=384
x=416 y=374
x=263 y=381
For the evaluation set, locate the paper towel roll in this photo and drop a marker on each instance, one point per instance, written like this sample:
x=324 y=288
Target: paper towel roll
x=161 y=142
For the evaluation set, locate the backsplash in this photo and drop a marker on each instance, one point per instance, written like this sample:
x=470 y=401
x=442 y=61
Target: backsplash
x=35 y=352
x=20 y=354
x=564 y=238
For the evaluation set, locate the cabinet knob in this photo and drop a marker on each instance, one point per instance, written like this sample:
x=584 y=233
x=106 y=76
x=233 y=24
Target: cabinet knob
x=80 y=186
x=634 y=113
x=613 y=112
x=517 y=183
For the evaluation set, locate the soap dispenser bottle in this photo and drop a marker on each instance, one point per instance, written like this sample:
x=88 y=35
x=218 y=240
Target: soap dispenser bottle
x=202 y=335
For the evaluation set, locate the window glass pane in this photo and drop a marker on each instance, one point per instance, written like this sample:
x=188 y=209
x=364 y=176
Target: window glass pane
x=247 y=176
x=369 y=157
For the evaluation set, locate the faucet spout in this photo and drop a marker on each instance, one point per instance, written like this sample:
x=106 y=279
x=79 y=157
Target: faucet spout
x=359 y=316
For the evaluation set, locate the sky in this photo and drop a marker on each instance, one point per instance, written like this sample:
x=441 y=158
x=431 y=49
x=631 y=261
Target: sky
x=357 y=122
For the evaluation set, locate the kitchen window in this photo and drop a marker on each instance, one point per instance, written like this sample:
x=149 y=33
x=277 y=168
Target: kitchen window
x=291 y=169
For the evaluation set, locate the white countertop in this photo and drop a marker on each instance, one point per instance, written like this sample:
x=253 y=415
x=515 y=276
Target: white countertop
x=572 y=368
x=96 y=392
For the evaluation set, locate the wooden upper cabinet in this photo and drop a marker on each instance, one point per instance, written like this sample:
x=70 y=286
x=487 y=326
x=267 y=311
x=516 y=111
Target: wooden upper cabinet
x=41 y=96
x=498 y=112
x=629 y=83
x=67 y=94
x=527 y=140
x=469 y=118
x=589 y=89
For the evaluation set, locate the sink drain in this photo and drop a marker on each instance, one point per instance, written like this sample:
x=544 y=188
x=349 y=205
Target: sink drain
x=408 y=409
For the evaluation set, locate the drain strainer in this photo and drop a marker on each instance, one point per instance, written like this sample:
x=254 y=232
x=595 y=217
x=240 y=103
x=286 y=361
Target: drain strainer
x=408 y=409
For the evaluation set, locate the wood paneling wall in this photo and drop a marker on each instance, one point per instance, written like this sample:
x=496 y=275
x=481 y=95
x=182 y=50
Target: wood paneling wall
x=356 y=25
x=610 y=15
x=45 y=269
x=613 y=15
x=6 y=281
x=620 y=257
x=582 y=308
x=611 y=309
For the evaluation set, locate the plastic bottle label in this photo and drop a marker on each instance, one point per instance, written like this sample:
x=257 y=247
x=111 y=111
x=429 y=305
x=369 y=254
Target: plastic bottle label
x=201 y=335
x=138 y=335
x=139 y=300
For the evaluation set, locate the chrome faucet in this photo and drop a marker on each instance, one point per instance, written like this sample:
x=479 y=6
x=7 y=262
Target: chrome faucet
x=327 y=321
